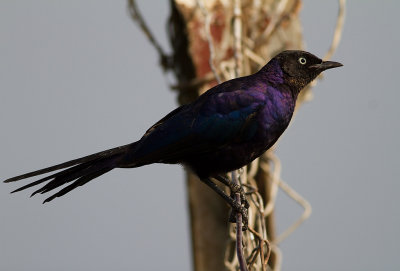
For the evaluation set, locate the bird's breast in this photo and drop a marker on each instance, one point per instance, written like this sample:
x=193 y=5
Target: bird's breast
x=275 y=117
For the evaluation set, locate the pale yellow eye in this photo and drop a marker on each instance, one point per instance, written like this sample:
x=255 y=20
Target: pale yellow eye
x=302 y=60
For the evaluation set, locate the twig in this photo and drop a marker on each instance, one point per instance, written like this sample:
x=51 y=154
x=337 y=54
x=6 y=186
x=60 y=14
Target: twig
x=253 y=256
x=207 y=23
x=270 y=205
x=300 y=200
x=137 y=17
x=338 y=30
x=276 y=175
x=275 y=22
x=227 y=69
x=254 y=57
x=262 y=240
x=278 y=257
x=275 y=19
x=239 y=232
x=237 y=35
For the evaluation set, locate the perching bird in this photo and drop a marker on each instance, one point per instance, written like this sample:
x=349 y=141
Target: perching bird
x=223 y=130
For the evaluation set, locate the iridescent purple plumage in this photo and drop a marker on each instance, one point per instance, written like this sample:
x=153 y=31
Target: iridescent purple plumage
x=224 y=129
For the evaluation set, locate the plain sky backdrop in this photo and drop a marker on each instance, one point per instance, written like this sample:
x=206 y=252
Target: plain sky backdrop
x=77 y=77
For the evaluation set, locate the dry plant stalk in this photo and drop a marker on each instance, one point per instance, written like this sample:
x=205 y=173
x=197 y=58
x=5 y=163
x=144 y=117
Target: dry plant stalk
x=214 y=41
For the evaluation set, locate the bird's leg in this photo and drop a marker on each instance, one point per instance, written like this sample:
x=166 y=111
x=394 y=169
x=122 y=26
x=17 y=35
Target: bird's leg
x=237 y=208
x=236 y=188
x=220 y=192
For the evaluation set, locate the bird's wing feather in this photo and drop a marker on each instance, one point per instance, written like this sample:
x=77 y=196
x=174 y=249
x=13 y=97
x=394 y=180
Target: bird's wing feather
x=224 y=119
x=164 y=119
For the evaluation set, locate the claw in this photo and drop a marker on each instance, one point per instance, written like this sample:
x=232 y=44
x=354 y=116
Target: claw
x=236 y=188
x=244 y=201
x=242 y=210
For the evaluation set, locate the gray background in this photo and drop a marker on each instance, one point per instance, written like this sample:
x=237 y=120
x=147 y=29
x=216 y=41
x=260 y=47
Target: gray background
x=77 y=77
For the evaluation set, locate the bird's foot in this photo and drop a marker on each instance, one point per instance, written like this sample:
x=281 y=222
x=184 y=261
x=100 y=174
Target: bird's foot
x=241 y=208
x=237 y=188
x=243 y=211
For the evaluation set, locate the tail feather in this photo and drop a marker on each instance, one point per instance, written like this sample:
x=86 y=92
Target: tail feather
x=65 y=176
x=79 y=171
x=69 y=163
x=56 y=175
x=79 y=182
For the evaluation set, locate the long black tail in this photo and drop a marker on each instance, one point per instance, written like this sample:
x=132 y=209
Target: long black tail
x=81 y=171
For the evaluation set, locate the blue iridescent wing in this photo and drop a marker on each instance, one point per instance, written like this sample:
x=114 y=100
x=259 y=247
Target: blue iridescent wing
x=201 y=127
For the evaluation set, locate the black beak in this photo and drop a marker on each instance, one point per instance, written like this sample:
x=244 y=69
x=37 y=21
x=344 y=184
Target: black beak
x=326 y=65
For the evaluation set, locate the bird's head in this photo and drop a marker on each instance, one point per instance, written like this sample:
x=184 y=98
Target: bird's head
x=300 y=68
